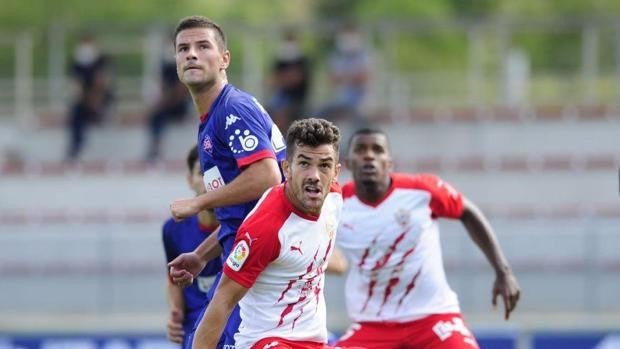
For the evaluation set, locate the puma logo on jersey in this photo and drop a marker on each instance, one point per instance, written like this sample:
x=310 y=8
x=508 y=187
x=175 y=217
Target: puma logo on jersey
x=250 y=239
x=230 y=119
x=297 y=248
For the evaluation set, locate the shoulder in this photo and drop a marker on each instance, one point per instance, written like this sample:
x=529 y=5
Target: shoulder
x=348 y=190
x=421 y=181
x=270 y=212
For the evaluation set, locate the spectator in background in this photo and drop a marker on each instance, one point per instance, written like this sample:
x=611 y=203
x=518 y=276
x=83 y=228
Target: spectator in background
x=173 y=104
x=91 y=76
x=185 y=304
x=349 y=72
x=290 y=80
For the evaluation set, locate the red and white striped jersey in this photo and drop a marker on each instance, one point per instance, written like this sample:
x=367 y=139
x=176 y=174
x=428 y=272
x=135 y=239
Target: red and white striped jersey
x=396 y=270
x=280 y=253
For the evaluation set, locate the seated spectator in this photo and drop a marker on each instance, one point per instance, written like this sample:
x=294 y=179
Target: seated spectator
x=349 y=72
x=290 y=80
x=172 y=105
x=91 y=76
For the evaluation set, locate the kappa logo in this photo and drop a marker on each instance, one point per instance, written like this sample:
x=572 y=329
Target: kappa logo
x=231 y=119
x=248 y=141
x=238 y=256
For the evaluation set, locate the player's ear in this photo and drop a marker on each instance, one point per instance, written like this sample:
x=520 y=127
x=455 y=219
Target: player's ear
x=286 y=168
x=337 y=169
x=225 y=60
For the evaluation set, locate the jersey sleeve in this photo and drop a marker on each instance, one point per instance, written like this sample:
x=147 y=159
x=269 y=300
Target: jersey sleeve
x=247 y=134
x=256 y=246
x=446 y=201
x=169 y=245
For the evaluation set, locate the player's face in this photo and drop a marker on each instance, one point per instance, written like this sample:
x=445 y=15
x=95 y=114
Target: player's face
x=200 y=61
x=369 y=158
x=309 y=174
x=194 y=180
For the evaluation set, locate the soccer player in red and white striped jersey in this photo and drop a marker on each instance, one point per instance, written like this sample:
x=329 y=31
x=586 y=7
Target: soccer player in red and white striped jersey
x=396 y=289
x=276 y=268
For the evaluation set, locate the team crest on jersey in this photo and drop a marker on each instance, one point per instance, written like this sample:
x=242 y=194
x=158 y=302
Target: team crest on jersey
x=238 y=256
x=403 y=218
x=207 y=145
x=330 y=227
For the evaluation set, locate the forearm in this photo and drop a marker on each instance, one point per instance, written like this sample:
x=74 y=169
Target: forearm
x=209 y=248
x=175 y=297
x=482 y=234
x=213 y=322
x=337 y=263
x=248 y=186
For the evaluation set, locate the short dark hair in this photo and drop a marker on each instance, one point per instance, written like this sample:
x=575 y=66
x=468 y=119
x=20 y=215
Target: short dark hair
x=364 y=131
x=192 y=157
x=311 y=132
x=201 y=22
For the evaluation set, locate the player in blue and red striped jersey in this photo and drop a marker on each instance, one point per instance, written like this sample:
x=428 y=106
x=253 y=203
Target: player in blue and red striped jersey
x=239 y=148
x=185 y=304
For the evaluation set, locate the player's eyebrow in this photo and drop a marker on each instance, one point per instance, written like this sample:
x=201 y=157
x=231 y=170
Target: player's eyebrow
x=185 y=43
x=328 y=158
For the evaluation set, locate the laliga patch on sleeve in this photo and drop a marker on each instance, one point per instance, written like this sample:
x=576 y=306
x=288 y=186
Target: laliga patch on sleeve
x=238 y=256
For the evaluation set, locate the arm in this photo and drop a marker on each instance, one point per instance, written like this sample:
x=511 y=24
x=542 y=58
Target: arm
x=211 y=326
x=176 y=306
x=337 y=263
x=249 y=185
x=186 y=266
x=482 y=234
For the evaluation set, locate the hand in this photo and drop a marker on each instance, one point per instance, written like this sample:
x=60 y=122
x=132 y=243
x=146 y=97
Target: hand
x=183 y=208
x=174 y=328
x=507 y=287
x=185 y=267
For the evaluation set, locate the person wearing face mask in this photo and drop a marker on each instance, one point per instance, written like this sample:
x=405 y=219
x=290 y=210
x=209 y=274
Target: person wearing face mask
x=91 y=76
x=290 y=81
x=349 y=74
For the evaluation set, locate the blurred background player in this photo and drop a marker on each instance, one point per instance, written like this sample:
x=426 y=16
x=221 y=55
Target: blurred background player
x=290 y=81
x=92 y=81
x=276 y=269
x=396 y=289
x=349 y=74
x=186 y=303
x=239 y=148
x=173 y=103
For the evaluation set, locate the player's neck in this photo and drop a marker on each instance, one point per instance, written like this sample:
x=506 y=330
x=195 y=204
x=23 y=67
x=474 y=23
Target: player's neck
x=204 y=97
x=372 y=191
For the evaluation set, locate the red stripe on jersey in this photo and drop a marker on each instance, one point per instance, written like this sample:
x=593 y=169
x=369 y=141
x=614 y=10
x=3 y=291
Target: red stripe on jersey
x=259 y=155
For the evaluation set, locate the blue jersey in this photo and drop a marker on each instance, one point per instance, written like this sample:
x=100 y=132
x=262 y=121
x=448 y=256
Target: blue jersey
x=236 y=132
x=181 y=237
